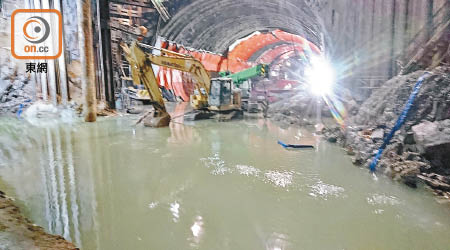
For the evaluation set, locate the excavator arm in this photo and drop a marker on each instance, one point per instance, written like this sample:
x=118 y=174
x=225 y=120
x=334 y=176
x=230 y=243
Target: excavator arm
x=222 y=98
x=260 y=70
x=142 y=73
x=184 y=63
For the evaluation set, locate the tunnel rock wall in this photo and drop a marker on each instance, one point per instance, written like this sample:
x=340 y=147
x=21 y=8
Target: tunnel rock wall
x=372 y=40
x=70 y=30
x=215 y=25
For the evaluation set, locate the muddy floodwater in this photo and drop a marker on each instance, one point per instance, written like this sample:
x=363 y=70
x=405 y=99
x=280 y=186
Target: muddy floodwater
x=208 y=185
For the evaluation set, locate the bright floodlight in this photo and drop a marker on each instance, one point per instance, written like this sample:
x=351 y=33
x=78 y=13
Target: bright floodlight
x=320 y=76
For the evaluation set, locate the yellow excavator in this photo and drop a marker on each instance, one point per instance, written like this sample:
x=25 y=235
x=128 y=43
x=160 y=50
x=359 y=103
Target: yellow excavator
x=210 y=95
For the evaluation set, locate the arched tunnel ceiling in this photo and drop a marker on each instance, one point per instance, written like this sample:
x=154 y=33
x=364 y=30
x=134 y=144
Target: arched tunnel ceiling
x=214 y=25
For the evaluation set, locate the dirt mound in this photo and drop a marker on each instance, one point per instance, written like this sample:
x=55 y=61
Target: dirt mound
x=17 y=232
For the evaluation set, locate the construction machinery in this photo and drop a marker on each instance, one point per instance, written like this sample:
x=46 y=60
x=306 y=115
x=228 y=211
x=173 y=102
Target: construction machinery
x=242 y=80
x=260 y=70
x=211 y=96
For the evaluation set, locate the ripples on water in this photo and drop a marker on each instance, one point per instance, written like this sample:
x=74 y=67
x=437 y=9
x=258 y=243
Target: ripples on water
x=280 y=179
x=247 y=170
x=325 y=191
x=175 y=210
x=217 y=165
x=381 y=199
x=110 y=185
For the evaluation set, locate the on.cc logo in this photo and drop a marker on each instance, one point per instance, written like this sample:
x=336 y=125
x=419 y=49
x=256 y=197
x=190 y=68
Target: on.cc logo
x=36 y=34
x=37 y=25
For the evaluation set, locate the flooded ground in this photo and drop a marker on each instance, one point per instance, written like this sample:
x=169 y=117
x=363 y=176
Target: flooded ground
x=208 y=185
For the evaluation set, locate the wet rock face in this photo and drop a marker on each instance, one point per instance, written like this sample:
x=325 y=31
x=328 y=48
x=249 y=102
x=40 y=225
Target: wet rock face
x=421 y=148
x=433 y=141
x=15 y=91
x=385 y=105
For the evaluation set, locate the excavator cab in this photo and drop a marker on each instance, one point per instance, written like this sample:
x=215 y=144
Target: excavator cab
x=222 y=97
x=220 y=92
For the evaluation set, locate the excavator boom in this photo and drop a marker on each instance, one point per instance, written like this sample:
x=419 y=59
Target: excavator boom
x=142 y=73
x=260 y=70
x=185 y=64
x=210 y=94
x=182 y=62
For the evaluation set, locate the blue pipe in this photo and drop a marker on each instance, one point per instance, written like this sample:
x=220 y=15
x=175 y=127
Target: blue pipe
x=401 y=119
x=294 y=145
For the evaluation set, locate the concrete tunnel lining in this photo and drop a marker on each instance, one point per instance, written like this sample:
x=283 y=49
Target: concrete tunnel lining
x=202 y=24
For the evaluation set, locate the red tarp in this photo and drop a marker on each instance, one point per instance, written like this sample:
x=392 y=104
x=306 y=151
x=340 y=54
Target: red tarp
x=271 y=55
x=236 y=60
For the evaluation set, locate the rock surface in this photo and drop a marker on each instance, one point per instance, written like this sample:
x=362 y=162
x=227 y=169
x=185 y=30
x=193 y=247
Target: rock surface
x=433 y=141
x=300 y=109
x=15 y=91
x=418 y=152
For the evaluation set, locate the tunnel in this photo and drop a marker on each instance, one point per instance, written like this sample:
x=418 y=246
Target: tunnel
x=221 y=24
x=224 y=124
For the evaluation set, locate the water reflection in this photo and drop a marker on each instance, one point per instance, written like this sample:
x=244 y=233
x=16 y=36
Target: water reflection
x=59 y=187
x=175 y=210
x=56 y=197
x=197 y=230
x=111 y=185
x=280 y=179
x=324 y=190
x=277 y=241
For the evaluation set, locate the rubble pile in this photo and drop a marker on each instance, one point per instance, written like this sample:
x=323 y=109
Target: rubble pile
x=420 y=150
x=300 y=109
x=15 y=91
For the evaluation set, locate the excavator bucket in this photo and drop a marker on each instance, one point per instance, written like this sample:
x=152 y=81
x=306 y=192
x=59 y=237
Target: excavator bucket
x=162 y=120
x=142 y=73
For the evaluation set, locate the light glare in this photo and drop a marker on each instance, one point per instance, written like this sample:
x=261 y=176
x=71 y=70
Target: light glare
x=320 y=76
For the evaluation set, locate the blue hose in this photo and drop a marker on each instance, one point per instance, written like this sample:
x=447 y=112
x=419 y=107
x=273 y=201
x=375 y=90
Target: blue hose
x=294 y=145
x=401 y=119
x=19 y=111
